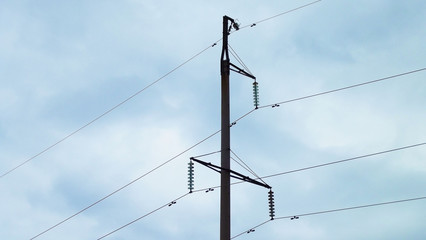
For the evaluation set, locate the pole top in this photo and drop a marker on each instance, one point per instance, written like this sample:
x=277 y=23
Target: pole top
x=234 y=24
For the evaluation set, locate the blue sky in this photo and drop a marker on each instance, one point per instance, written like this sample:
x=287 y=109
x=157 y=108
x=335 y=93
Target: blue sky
x=62 y=64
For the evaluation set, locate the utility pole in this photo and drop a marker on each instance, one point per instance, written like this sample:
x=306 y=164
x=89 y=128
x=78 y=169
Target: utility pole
x=225 y=169
x=225 y=179
x=225 y=174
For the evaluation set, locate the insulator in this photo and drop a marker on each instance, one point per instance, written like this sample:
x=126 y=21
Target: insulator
x=271 y=204
x=256 y=94
x=190 y=176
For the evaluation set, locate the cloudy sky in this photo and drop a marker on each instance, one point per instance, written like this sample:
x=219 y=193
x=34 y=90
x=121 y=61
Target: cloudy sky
x=63 y=64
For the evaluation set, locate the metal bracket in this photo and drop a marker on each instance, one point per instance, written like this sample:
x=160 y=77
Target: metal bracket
x=233 y=173
x=241 y=71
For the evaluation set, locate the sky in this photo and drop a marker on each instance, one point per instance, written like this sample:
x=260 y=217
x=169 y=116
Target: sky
x=65 y=63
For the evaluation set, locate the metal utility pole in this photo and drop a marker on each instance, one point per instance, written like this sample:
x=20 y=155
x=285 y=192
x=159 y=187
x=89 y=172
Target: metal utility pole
x=225 y=181
x=225 y=169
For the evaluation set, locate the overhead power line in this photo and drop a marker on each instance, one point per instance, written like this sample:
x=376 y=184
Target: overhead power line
x=245 y=166
x=345 y=88
x=237 y=57
x=277 y=104
x=106 y=112
x=168 y=204
x=296 y=216
x=238 y=119
x=346 y=160
x=137 y=93
x=209 y=189
x=334 y=162
x=118 y=105
x=207 y=154
x=124 y=186
x=292 y=217
x=112 y=109
x=280 y=14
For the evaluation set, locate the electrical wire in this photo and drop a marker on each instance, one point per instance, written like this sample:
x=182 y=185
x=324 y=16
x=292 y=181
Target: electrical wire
x=280 y=14
x=339 y=161
x=168 y=204
x=296 y=216
x=238 y=119
x=332 y=163
x=125 y=186
x=287 y=172
x=108 y=111
x=251 y=229
x=245 y=115
x=329 y=163
x=347 y=160
x=241 y=165
x=345 y=88
x=328 y=92
x=168 y=73
x=208 y=154
x=237 y=57
x=137 y=93
x=247 y=167
x=239 y=161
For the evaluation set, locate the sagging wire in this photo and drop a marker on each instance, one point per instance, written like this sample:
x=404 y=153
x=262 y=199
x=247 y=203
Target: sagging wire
x=295 y=217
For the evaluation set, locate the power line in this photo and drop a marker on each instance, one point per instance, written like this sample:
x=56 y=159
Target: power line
x=242 y=165
x=280 y=14
x=288 y=101
x=332 y=163
x=107 y=112
x=328 y=92
x=239 y=161
x=252 y=229
x=128 y=100
x=296 y=216
x=282 y=173
x=135 y=94
x=242 y=63
x=207 y=154
x=347 y=160
x=238 y=119
x=170 y=203
x=247 y=167
x=125 y=186
x=345 y=88
x=237 y=57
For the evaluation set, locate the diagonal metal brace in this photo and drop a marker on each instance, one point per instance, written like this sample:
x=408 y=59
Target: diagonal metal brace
x=233 y=173
x=241 y=71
